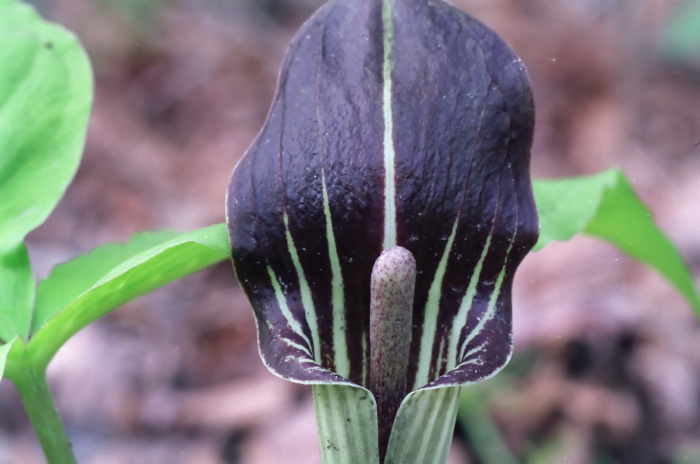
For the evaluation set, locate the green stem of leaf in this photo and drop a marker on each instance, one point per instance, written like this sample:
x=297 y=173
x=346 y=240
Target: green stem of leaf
x=484 y=437
x=34 y=391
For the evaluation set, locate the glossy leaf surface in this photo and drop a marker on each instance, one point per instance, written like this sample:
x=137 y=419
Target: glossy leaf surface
x=45 y=96
x=605 y=206
x=16 y=293
x=80 y=291
x=69 y=280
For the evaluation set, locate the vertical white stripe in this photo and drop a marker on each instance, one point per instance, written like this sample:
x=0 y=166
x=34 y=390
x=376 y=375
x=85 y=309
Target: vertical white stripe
x=488 y=314
x=431 y=311
x=347 y=424
x=429 y=425
x=389 y=153
x=424 y=427
x=286 y=312
x=306 y=298
x=491 y=308
x=443 y=439
x=465 y=306
x=340 y=347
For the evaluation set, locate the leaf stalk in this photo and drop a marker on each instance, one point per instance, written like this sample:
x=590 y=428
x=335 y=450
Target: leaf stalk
x=43 y=415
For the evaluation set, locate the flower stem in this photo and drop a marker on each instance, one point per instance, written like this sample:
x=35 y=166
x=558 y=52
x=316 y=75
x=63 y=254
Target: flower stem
x=391 y=315
x=34 y=391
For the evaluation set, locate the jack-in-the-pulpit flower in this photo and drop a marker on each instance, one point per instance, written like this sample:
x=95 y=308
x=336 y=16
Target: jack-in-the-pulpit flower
x=404 y=127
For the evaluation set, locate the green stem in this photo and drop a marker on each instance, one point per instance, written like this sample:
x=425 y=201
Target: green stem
x=34 y=391
x=485 y=438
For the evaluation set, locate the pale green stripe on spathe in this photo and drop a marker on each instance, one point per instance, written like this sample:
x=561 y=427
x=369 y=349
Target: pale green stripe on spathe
x=306 y=299
x=340 y=347
x=346 y=417
x=432 y=307
x=460 y=320
x=467 y=357
x=423 y=429
x=282 y=303
x=491 y=308
x=389 y=152
x=488 y=314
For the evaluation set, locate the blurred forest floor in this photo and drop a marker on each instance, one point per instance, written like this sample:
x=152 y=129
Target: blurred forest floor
x=607 y=362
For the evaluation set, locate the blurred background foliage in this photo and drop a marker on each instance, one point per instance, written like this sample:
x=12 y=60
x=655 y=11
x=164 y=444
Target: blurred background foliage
x=681 y=38
x=606 y=368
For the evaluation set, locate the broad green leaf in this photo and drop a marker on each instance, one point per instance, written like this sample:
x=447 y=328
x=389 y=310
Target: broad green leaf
x=134 y=269
x=45 y=96
x=4 y=351
x=71 y=279
x=566 y=206
x=16 y=293
x=624 y=220
x=606 y=206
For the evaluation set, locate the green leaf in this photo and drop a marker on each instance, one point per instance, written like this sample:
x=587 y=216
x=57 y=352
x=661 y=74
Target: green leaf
x=566 y=206
x=71 y=279
x=4 y=351
x=606 y=206
x=45 y=96
x=16 y=293
x=78 y=292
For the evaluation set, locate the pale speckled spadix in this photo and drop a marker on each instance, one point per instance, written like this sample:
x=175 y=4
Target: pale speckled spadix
x=390 y=323
x=395 y=123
